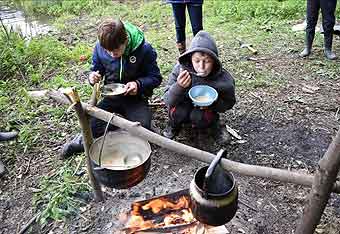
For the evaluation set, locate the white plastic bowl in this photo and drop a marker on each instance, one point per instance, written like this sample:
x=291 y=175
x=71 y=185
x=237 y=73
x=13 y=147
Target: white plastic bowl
x=203 y=95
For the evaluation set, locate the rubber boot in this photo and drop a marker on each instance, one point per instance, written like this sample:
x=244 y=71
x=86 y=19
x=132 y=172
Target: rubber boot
x=308 y=44
x=7 y=136
x=72 y=147
x=328 y=47
x=2 y=169
x=181 y=47
x=220 y=134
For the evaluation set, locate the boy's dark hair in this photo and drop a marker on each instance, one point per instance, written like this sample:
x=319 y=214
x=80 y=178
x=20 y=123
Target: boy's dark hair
x=112 y=34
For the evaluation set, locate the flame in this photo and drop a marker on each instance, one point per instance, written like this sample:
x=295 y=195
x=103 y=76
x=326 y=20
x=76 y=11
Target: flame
x=175 y=213
x=138 y=221
x=185 y=217
x=161 y=203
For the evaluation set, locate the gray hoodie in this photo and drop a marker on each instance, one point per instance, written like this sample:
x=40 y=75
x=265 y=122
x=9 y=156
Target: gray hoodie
x=219 y=78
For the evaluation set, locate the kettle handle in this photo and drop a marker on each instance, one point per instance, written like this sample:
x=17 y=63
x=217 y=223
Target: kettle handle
x=212 y=167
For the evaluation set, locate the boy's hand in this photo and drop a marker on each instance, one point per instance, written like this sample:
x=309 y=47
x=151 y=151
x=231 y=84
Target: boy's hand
x=131 y=88
x=94 y=77
x=184 y=79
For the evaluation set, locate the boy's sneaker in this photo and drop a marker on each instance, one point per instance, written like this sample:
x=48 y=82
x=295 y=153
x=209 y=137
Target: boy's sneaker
x=72 y=147
x=170 y=132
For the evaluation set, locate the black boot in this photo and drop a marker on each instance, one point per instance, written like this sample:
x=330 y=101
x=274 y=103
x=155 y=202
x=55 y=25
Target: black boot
x=181 y=46
x=308 y=44
x=7 y=136
x=328 y=47
x=72 y=147
x=220 y=134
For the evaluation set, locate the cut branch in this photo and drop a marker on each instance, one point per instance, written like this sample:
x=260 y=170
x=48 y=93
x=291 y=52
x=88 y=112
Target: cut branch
x=72 y=95
x=203 y=156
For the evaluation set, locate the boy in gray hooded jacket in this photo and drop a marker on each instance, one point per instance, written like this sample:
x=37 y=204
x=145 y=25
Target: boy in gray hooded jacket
x=199 y=65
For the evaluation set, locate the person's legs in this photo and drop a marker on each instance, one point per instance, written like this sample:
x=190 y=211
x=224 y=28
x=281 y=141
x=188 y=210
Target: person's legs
x=203 y=118
x=180 y=21
x=137 y=110
x=205 y=124
x=177 y=116
x=313 y=7
x=328 y=22
x=195 y=14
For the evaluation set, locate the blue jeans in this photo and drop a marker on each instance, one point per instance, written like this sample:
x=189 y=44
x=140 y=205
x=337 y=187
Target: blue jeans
x=195 y=14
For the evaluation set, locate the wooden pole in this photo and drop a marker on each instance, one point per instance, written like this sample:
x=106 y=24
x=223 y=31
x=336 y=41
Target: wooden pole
x=241 y=168
x=87 y=139
x=244 y=169
x=324 y=179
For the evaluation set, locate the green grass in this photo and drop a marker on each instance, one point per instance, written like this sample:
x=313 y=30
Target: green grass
x=56 y=197
x=52 y=61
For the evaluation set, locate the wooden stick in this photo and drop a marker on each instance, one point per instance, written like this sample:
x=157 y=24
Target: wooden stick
x=28 y=224
x=87 y=137
x=95 y=94
x=203 y=156
x=324 y=179
x=246 y=204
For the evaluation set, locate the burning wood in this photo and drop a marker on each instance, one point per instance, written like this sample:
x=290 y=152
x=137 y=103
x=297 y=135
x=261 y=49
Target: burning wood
x=160 y=213
x=163 y=214
x=162 y=203
x=169 y=213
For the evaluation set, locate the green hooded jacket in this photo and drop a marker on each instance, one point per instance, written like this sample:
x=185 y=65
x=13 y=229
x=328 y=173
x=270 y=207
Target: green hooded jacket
x=135 y=38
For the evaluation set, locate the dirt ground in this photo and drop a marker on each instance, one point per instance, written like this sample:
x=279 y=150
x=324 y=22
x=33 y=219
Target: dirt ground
x=284 y=127
x=280 y=132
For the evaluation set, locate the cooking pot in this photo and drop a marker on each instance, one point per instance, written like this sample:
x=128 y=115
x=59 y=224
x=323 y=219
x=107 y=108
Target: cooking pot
x=214 y=194
x=119 y=159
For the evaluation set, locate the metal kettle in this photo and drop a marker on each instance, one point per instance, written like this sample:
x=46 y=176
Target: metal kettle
x=214 y=194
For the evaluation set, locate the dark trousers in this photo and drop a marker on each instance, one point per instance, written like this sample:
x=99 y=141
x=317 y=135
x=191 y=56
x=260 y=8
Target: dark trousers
x=133 y=108
x=187 y=113
x=195 y=14
x=328 y=18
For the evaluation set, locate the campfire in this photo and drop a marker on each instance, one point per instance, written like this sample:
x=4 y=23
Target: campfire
x=169 y=213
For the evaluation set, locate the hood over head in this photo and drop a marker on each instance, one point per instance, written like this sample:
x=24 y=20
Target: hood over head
x=202 y=42
x=135 y=38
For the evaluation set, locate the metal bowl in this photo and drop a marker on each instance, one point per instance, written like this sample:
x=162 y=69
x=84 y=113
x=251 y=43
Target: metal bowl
x=113 y=89
x=203 y=95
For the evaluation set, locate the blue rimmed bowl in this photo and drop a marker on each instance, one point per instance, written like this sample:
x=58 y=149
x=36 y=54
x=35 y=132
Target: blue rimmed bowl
x=203 y=95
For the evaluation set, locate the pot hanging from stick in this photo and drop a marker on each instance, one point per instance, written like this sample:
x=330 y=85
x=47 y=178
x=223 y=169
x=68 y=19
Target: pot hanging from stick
x=214 y=194
x=120 y=160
